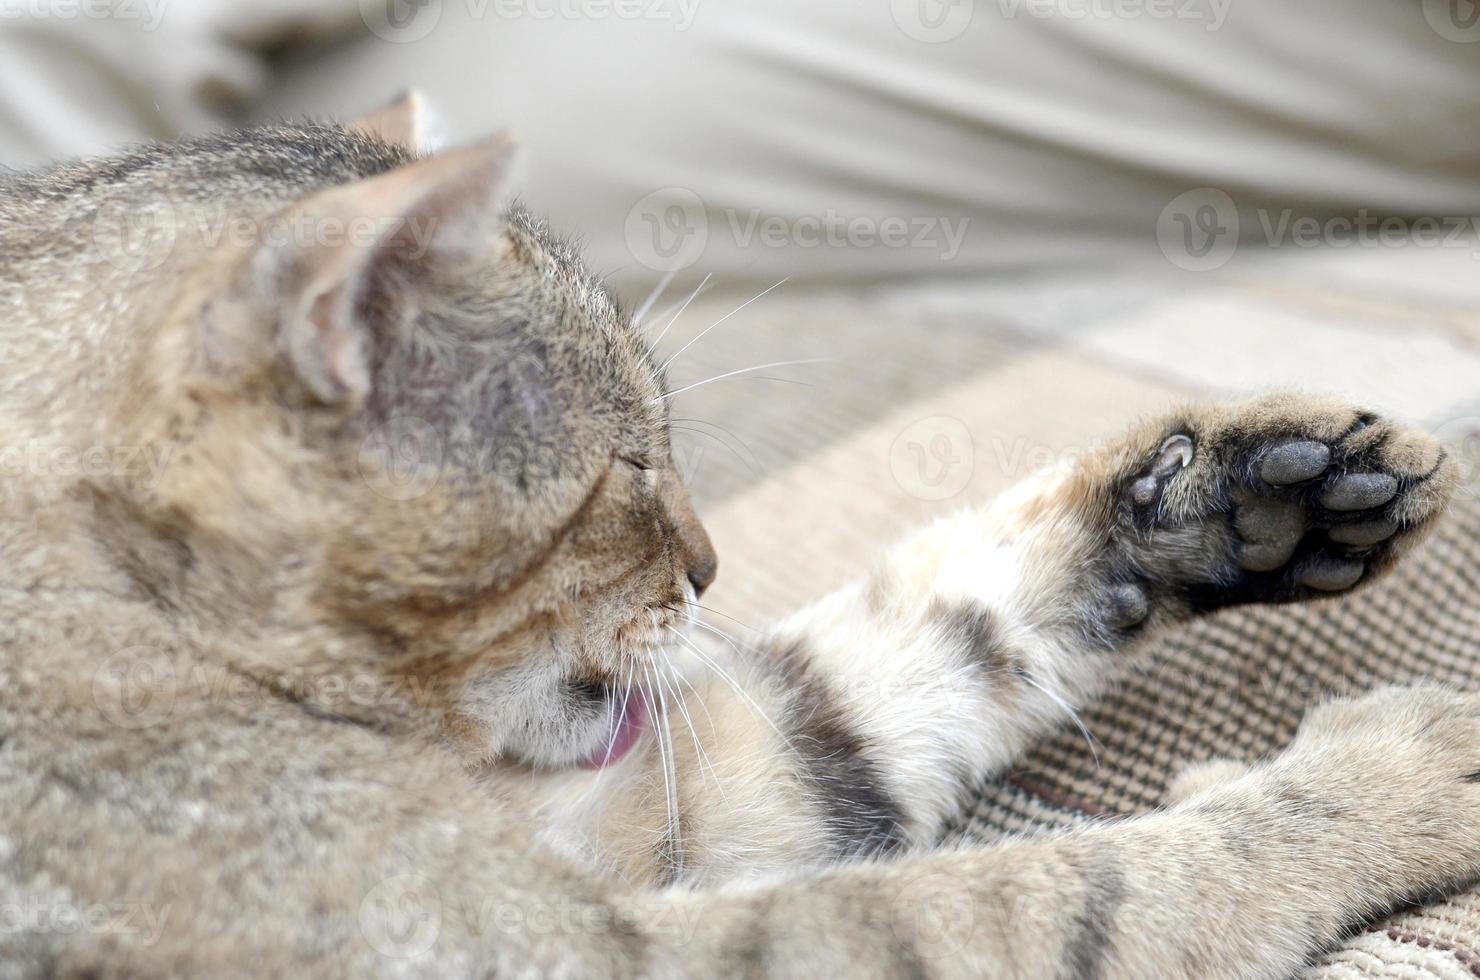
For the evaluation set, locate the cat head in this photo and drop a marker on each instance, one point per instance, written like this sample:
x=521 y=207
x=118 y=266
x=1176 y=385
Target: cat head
x=407 y=417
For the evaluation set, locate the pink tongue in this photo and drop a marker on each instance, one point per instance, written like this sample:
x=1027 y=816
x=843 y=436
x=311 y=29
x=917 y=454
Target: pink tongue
x=626 y=730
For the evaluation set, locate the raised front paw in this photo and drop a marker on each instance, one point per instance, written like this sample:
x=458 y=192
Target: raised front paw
x=1273 y=500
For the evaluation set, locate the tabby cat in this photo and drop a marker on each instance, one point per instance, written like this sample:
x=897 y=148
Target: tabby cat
x=345 y=581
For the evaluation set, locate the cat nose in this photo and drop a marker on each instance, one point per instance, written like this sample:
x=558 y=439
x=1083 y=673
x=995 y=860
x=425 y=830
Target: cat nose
x=694 y=547
x=702 y=569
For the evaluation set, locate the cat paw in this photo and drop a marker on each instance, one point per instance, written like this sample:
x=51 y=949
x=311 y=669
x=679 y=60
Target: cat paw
x=1400 y=765
x=1275 y=500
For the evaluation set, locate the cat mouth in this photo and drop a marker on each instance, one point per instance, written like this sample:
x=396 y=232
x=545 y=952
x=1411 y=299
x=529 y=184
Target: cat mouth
x=629 y=719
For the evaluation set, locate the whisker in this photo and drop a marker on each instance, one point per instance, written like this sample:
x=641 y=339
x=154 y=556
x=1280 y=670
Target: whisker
x=733 y=684
x=1069 y=710
x=715 y=425
x=626 y=697
x=719 y=633
x=692 y=296
x=701 y=334
x=670 y=773
x=747 y=463
x=711 y=609
x=611 y=725
x=703 y=757
x=677 y=677
x=749 y=370
x=653 y=297
x=784 y=381
x=748 y=457
x=698 y=698
x=680 y=306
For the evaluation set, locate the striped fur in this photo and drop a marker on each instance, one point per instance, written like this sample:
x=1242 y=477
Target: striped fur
x=358 y=754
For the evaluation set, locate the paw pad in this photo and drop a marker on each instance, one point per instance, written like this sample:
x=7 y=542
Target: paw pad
x=1125 y=605
x=1360 y=491
x=1363 y=535
x=1329 y=575
x=1281 y=500
x=1295 y=462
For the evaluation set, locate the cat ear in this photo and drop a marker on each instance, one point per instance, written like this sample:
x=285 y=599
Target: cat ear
x=335 y=280
x=404 y=123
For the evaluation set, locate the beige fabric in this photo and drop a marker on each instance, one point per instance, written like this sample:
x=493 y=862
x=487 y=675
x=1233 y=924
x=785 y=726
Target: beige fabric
x=1044 y=133
x=1025 y=369
x=80 y=78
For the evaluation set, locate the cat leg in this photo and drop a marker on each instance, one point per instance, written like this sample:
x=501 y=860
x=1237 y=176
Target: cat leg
x=1376 y=802
x=862 y=720
x=982 y=632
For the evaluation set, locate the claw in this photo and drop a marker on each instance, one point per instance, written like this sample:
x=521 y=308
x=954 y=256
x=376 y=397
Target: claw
x=1175 y=454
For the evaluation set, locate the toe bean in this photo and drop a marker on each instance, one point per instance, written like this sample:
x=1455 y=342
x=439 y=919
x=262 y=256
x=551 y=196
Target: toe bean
x=1269 y=520
x=1126 y=605
x=1360 y=491
x=1265 y=556
x=1363 y=535
x=1332 y=576
x=1295 y=462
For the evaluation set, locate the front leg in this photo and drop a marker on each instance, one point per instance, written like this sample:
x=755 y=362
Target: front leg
x=984 y=631
x=866 y=717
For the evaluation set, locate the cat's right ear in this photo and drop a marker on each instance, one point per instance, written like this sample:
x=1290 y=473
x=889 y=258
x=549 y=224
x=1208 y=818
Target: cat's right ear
x=342 y=275
x=404 y=123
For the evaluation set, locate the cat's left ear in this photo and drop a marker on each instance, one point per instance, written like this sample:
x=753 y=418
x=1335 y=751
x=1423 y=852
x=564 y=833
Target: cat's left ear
x=404 y=122
x=346 y=275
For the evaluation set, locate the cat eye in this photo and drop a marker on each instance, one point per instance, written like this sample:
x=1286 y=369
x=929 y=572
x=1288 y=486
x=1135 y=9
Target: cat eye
x=650 y=474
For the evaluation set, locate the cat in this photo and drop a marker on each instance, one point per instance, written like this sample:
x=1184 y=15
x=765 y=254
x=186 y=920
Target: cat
x=345 y=566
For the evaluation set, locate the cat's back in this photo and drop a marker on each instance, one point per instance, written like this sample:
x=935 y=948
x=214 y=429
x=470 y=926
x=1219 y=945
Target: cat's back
x=74 y=209
x=283 y=159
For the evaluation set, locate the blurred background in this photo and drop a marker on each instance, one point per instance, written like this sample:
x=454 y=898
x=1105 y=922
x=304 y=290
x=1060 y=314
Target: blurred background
x=931 y=246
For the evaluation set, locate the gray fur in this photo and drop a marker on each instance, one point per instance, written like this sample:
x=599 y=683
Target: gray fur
x=367 y=676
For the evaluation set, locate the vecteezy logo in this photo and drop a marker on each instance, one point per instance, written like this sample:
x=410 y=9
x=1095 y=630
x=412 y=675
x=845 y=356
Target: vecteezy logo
x=1198 y=231
x=402 y=458
x=134 y=240
x=668 y=229
x=401 y=916
x=933 y=458
x=932 y=21
x=135 y=688
x=401 y=21
x=934 y=914
x=1454 y=20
